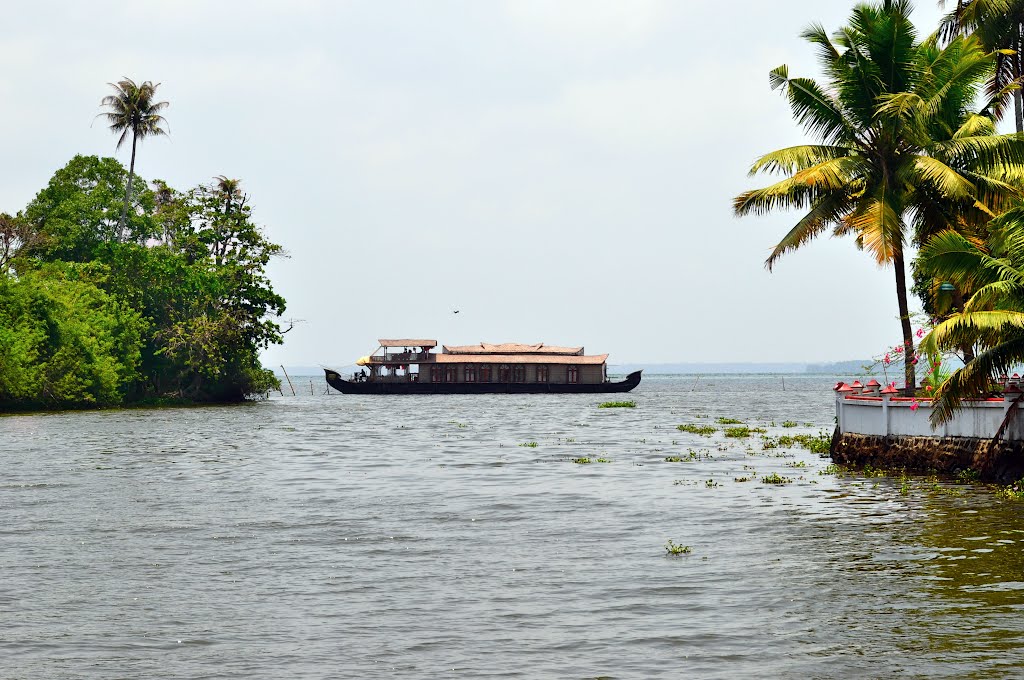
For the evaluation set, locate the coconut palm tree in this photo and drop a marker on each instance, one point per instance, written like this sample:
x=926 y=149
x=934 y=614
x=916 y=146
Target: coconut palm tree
x=899 y=149
x=993 y=317
x=999 y=25
x=133 y=111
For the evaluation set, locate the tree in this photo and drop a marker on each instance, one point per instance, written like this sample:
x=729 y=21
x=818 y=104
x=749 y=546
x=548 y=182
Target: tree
x=999 y=25
x=77 y=211
x=899 y=150
x=993 y=317
x=64 y=341
x=132 y=110
x=16 y=235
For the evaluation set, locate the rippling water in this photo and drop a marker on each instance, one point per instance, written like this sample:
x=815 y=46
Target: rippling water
x=343 y=536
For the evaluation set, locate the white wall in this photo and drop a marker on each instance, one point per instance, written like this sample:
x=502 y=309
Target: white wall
x=978 y=419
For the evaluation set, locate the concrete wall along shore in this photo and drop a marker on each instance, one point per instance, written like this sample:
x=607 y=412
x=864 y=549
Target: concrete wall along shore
x=875 y=426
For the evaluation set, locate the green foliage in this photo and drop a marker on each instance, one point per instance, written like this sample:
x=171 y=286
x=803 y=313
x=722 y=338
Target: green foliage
x=582 y=461
x=703 y=430
x=728 y=421
x=675 y=549
x=741 y=431
x=64 y=342
x=790 y=423
x=529 y=445
x=181 y=290
x=775 y=478
x=618 y=404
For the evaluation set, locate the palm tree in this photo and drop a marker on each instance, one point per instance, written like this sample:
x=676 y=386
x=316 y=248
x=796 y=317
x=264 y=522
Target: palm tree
x=993 y=317
x=132 y=110
x=229 y=190
x=999 y=25
x=899 y=149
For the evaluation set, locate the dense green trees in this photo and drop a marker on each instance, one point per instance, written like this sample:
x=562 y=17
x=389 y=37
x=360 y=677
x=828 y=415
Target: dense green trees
x=900 y=154
x=173 y=306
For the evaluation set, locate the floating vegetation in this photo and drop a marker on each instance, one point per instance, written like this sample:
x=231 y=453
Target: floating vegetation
x=1012 y=492
x=747 y=478
x=832 y=469
x=691 y=455
x=604 y=460
x=458 y=424
x=582 y=461
x=700 y=415
x=618 y=404
x=967 y=475
x=711 y=484
x=820 y=443
x=728 y=421
x=530 y=445
x=758 y=430
x=742 y=431
x=570 y=440
x=790 y=423
x=796 y=464
x=673 y=548
x=702 y=430
x=776 y=478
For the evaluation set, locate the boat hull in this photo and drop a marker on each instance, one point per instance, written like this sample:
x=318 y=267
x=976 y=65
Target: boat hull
x=335 y=380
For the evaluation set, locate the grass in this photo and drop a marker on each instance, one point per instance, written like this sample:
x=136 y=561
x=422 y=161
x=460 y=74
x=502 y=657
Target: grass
x=741 y=431
x=673 y=548
x=775 y=478
x=693 y=428
x=530 y=445
x=618 y=404
x=728 y=421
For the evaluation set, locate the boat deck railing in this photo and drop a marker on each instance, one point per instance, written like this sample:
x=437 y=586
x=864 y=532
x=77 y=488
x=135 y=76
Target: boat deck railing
x=401 y=357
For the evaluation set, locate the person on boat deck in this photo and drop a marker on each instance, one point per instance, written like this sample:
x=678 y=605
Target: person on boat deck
x=362 y=375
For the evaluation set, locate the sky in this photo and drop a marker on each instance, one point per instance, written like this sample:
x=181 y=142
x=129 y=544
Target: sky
x=558 y=171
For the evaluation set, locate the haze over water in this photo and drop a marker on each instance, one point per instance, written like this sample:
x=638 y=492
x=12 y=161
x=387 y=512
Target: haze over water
x=338 y=536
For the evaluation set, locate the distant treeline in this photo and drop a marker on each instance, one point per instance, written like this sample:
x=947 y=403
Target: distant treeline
x=106 y=302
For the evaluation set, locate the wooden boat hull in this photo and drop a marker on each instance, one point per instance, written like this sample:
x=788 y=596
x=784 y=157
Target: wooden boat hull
x=335 y=380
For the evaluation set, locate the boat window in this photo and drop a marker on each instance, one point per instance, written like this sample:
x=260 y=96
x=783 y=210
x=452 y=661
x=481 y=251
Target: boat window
x=451 y=374
x=574 y=374
x=503 y=373
x=519 y=374
x=435 y=374
x=542 y=374
x=470 y=374
x=485 y=374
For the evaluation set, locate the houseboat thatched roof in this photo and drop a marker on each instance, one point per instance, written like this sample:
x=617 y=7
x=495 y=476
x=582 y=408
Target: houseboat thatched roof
x=532 y=358
x=512 y=348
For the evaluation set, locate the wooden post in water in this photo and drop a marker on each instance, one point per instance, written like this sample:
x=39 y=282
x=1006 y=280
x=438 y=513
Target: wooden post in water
x=288 y=379
x=311 y=388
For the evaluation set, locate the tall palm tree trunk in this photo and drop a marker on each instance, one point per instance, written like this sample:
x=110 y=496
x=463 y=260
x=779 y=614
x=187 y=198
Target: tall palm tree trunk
x=908 y=334
x=127 y=191
x=1018 y=103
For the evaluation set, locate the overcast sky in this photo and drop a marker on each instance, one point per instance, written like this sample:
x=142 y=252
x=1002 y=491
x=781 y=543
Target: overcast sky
x=556 y=170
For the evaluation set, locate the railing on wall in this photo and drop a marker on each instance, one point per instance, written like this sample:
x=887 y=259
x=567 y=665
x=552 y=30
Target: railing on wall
x=874 y=412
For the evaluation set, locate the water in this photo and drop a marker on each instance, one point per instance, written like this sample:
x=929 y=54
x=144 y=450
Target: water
x=375 y=537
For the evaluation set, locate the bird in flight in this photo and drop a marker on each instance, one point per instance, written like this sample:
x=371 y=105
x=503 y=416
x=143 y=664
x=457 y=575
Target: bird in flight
x=455 y=311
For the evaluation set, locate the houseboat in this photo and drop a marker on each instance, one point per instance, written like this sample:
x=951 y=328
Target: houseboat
x=412 y=366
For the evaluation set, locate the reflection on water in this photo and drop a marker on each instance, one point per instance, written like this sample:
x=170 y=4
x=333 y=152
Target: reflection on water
x=341 y=536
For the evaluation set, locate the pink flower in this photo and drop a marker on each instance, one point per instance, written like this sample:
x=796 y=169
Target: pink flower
x=920 y=332
x=928 y=387
x=892 y=384
x=898 y=349
x=887 y=360
x=913 y=406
